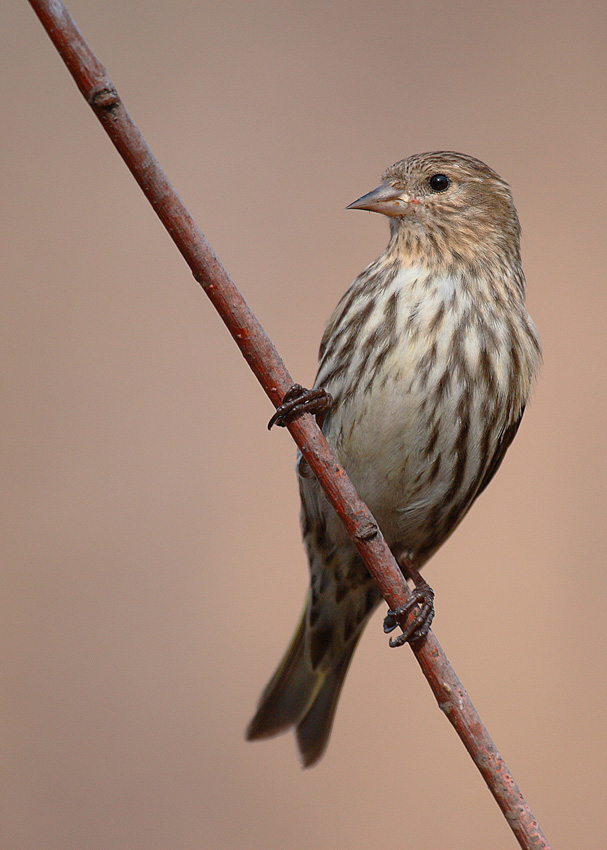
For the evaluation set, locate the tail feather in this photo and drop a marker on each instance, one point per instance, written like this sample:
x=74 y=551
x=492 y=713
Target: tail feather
x=297 y=696
x=288 y=693
x=314 y=728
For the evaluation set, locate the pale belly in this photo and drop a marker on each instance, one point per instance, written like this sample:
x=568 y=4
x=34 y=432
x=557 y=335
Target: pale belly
x=417 y=455
x=385 y=448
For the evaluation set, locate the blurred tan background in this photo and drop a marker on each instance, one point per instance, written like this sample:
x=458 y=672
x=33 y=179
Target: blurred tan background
x=153 y=569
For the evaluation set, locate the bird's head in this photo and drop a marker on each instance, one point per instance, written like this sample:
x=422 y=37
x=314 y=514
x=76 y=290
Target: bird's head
x=446 y=206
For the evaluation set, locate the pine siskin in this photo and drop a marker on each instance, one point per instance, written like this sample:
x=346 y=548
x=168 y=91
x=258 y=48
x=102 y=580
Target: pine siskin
x=429 y=359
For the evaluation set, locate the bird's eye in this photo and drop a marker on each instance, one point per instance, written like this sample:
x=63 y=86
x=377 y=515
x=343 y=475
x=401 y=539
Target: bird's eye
x=439 y=182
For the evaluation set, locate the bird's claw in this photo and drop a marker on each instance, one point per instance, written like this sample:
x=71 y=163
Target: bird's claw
x=418 y=628
x=299 y=400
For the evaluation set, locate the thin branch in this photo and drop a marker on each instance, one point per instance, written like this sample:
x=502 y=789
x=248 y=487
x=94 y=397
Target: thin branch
x=94 y=83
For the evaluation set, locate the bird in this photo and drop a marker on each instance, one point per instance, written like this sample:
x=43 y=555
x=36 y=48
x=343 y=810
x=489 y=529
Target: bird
x=425 y=368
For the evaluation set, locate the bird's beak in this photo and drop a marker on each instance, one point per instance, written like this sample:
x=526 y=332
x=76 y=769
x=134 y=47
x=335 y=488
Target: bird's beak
x=386 y=199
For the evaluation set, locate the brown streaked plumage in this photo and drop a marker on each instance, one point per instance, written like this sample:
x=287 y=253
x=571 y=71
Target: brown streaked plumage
x=429 y=358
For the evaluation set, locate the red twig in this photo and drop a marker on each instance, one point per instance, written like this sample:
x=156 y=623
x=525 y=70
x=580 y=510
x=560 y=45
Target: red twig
x=94 y=83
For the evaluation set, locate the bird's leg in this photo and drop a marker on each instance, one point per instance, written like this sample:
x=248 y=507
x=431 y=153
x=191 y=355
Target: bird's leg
x=423 y=596
x=299 y=400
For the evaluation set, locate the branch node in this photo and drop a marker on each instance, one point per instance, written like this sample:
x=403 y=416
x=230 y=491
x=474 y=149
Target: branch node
x=105 y=99
x=367 y=532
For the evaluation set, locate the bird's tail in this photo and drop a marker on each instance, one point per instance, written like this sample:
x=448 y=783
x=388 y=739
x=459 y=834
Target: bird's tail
x=298 y=696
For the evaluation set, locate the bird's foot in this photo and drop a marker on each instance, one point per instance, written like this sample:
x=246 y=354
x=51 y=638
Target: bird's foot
x=299 y=400
x=423 y=596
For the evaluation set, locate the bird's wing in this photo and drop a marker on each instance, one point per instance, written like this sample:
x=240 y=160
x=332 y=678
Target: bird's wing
x=500 y=451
